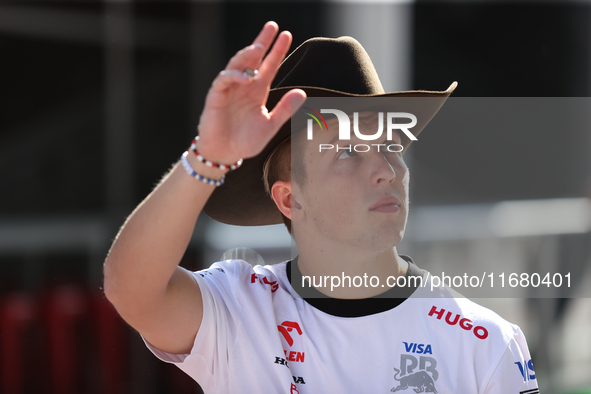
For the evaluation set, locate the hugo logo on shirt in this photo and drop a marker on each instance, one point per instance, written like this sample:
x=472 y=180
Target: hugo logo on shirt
x=274 y=285
x=479 y=331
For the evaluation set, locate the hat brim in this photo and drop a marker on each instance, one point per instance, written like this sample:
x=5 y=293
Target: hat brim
x=242 y=199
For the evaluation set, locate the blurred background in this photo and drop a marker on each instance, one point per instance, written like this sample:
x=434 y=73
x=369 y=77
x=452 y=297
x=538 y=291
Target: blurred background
x=100 y=98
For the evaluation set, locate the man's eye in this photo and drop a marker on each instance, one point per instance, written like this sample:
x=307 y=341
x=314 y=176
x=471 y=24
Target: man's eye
x=346 y=154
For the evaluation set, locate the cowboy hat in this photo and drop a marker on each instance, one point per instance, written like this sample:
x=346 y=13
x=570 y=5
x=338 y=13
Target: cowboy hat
x=322 y=67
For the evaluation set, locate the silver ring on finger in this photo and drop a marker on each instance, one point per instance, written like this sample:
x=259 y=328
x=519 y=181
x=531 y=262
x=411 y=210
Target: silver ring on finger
x=250 y=72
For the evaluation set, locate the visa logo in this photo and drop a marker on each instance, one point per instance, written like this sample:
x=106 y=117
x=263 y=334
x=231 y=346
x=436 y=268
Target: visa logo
x=525 y=369
x=417 y=348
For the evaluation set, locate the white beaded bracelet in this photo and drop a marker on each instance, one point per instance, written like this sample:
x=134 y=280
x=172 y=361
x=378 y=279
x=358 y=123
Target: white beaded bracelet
x=210 y=163
x=201 y=178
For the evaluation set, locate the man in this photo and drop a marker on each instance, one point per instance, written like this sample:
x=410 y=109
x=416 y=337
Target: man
x=235 y=328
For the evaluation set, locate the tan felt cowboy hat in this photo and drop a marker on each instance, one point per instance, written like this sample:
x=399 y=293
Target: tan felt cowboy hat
x=322 y=67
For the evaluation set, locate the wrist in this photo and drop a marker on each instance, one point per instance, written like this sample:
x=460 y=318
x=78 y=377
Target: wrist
x=202 y=169
x=204 y=154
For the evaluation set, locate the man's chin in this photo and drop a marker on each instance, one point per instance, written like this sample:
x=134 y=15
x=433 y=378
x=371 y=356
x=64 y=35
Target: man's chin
x=392 y=228
x=388 y=239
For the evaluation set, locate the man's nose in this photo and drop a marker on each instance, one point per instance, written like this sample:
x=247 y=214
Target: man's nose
x=382 y=169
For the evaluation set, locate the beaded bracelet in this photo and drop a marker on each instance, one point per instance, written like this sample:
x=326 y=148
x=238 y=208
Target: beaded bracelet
x=210 y=163
x=201 y=178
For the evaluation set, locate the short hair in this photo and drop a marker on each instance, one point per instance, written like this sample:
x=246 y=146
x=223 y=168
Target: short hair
x=278 y=167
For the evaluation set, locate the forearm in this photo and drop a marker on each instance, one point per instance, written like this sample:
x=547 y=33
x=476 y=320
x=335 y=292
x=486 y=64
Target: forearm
x=142 y=278
x=154 y=238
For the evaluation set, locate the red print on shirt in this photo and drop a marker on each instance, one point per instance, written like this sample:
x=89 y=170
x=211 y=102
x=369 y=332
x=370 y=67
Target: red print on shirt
x=286 y=327
x=274 y=284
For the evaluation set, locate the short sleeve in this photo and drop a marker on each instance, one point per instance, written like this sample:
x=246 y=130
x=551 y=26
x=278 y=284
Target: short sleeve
x=514 y=373
x=209 y=354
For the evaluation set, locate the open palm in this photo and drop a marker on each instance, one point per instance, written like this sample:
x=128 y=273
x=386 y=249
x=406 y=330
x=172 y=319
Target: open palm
x=235 y=122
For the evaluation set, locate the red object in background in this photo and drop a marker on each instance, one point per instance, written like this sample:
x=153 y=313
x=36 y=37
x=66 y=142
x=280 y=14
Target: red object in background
x=16 y=316
x=111 y=332
x=64 y=310
x=69 y=354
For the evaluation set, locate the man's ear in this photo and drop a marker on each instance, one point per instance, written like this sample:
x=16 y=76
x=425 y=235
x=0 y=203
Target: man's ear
x=285 y=201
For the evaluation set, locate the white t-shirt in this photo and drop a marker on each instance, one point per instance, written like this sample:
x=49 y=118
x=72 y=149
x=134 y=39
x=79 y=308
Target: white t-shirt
x=256 y=338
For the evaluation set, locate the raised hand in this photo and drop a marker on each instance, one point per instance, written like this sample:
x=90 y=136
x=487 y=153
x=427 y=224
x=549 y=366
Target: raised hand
x=235 y=122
